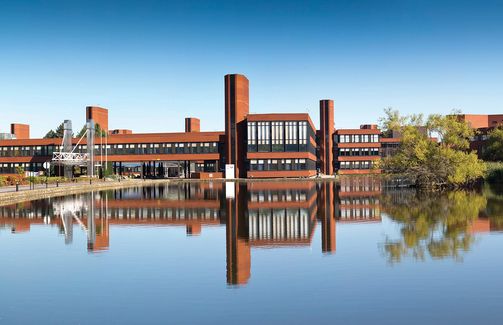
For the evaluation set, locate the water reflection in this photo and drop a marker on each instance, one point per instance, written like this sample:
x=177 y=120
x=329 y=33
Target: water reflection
x=440 y=225
x=274 y=215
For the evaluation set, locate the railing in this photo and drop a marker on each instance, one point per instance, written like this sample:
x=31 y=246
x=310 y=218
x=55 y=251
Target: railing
x=69 y=158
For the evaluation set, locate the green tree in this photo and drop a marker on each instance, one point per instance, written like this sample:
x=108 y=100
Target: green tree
x=392 y=121
x=426 y=162
x=98 y=131
x=451 y=131
x=494 y=146
x=60 y=130
x=57 y=133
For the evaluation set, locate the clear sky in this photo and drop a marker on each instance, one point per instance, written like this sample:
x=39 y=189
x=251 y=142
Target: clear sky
x=152 y=63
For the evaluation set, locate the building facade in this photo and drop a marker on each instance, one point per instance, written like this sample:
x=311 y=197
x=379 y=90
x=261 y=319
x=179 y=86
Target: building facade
x=483 y=124
x=257 y=145
x=357 y=150
x=280 y=145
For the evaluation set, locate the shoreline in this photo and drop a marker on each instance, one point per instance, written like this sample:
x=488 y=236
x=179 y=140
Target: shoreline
x=8 y=198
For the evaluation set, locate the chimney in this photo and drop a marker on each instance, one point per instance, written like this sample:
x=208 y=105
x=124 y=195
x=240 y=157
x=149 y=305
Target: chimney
x=99 y=115
x=21 y=131
x=192 y=124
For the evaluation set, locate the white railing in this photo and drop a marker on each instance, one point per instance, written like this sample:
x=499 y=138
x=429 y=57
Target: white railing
x=69 y=158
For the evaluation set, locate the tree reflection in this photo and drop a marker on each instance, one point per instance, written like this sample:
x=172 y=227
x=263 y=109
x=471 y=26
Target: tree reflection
x=494 y=209
x=431 y=224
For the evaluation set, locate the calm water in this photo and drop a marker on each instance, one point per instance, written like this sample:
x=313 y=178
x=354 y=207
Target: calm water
x=278 y=252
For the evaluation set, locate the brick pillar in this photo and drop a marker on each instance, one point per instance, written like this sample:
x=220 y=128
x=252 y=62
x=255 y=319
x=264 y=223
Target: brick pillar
x=238 y=248
x=99 y=115
x=21 y=131
x=326 y=212
x=192 y=124
x=236 y=110
x=326 y=136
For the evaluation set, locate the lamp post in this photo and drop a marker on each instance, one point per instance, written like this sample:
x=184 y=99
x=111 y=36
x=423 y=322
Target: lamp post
x=47 y=167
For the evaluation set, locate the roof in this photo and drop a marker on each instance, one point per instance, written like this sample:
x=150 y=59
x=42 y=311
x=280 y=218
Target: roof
x=127 y=138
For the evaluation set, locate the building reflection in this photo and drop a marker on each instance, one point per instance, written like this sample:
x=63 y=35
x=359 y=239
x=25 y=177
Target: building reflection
x=358 y=199
x=256 y=214
x=326 y=213
x=236 y=231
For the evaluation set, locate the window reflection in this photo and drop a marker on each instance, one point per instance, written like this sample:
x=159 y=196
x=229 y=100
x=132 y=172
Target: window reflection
x=260 y=215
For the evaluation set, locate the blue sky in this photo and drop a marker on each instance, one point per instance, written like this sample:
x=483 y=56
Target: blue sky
x=152 y=63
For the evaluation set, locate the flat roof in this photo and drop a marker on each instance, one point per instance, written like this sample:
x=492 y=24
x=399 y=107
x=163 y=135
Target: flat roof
x=127 y=138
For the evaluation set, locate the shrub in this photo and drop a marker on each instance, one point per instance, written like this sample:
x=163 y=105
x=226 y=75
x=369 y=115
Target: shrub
x=16 y=179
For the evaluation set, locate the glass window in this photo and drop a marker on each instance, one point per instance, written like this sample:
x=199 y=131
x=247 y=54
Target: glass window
x=302 y=136
x=263 y=137
x=278 y=143
x=252 y=136
x=291 y=136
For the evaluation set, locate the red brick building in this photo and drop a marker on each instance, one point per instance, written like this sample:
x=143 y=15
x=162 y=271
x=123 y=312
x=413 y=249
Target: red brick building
x=20 y=131
x=483 y=125
x=356 y=150
x=99 y=115
x=257 y=145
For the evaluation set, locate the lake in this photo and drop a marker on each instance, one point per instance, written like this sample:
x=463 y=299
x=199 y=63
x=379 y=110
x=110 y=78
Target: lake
x=358 y=251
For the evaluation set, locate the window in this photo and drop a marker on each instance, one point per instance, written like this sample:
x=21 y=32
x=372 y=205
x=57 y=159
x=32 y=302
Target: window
x=344 y=138
x=282 y=164
x=291 y=136
x=303 y=136
x=356 y=165
x=263 y=137
x=277 y=136
x=260 y=165
x=252 y=136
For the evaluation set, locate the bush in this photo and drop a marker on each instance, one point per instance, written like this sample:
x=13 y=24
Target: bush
x=494 y=172
x=16 y=179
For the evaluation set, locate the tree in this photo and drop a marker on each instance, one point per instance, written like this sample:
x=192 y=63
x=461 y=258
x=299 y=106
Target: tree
x=426 y=162
x=98 y=131
x=392 y=121
x=58 y=133
x=450 y=130
x=494 y=145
